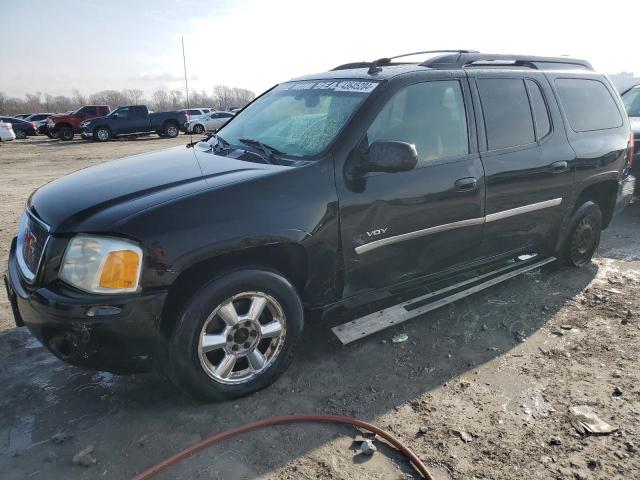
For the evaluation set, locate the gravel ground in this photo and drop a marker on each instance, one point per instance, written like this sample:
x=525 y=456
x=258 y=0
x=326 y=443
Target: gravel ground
x=481 y=390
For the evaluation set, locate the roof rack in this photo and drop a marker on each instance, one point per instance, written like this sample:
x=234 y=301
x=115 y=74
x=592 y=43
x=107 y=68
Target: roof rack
x=467 y=59
x=374 y=66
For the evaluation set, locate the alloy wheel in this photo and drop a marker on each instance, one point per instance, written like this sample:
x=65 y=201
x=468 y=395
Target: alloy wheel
x=242 y=337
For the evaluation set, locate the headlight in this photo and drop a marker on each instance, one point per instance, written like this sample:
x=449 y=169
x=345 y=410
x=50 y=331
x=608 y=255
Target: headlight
x=102 y=264
x=84 y=124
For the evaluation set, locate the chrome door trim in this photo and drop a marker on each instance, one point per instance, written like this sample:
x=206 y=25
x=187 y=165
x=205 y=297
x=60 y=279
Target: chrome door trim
x=524 y=209
x=367 y=247
x=418 y=233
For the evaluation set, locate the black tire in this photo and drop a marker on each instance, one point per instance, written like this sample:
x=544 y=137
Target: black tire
x=170 y=130
x=65 y=133
x=101 y=134
x=583 y=236
x=186 y=367
x=20 y=134
x=198 y=129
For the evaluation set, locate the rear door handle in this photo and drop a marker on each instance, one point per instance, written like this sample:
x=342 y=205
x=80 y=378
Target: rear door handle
x=464 y=185
x=559 y=167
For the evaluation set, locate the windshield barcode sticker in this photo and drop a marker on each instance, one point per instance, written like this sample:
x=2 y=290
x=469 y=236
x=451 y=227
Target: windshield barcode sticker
x=363 y=87
x=336 y=86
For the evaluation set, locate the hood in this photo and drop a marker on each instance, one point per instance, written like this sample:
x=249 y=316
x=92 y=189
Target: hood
x=635 y=125
x=98 y=198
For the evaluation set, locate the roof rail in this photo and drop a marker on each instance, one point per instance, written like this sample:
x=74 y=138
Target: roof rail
x=466 y=59
x=375 y=65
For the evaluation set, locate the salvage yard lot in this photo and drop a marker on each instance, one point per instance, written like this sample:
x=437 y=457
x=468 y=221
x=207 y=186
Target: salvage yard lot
x=503 y=366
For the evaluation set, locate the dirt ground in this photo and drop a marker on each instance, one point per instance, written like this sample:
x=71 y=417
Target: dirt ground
x=481 y=390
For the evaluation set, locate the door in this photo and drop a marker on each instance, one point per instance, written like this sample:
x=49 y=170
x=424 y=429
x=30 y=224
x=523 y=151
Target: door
x=125 y=121
x=397 y=227
x=528 y=163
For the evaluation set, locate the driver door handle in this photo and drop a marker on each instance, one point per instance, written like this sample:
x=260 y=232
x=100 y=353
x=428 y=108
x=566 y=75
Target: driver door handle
x=465 y=185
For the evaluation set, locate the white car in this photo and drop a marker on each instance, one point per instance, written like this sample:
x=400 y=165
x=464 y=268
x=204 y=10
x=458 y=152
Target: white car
x=6 y=132
x=209 y=123
x=196 y=113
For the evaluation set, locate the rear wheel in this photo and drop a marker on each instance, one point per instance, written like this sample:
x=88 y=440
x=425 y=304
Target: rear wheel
x=237 y=335
x=171 y=130
x=102 y=134
x=21 y=134
x=583 y=237
x=198 y=129
x=65 y=133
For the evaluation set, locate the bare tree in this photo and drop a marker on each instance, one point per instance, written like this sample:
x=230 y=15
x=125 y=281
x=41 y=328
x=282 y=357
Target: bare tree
x=222 y=97
x=160 y=100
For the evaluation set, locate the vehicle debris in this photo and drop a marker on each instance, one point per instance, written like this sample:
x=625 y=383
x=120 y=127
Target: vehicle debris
x=466 y=437
x=60 y=437
x=585 y=421
x=84 y=458
x=617 y=392
x=555 y=440
x=399 y=338
x=367 y=447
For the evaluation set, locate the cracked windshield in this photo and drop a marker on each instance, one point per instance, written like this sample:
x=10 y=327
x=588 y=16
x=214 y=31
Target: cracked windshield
x=299 y=119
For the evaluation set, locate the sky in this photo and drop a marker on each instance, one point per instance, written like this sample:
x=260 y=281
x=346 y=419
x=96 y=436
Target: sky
x=57 y=46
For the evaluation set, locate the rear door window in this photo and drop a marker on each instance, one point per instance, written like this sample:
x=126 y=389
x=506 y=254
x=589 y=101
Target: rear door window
x=507 y=113
x=540 y=110
x=429 y=115
x=194 y=112
x=588 y=104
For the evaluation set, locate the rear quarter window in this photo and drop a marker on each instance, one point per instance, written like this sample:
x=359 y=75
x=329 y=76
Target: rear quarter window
x=588 y=104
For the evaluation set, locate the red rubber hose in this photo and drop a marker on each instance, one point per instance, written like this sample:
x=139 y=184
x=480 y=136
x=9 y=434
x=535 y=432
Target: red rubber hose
x=219 y=437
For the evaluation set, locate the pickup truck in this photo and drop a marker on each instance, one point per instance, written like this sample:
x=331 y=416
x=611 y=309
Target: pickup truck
x=374 y=182
x=66 y=125
x=133 y=120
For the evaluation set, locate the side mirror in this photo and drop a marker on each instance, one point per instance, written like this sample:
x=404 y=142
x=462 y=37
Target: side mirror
x=390 y=156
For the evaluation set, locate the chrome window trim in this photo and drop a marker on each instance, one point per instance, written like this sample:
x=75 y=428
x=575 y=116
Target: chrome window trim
x=28 y=275
x=459 y=224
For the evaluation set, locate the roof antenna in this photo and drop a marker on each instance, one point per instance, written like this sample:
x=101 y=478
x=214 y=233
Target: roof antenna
x=186 y=87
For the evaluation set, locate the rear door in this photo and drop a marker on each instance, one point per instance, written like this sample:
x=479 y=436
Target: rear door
x=529 y=165
x=397 y=227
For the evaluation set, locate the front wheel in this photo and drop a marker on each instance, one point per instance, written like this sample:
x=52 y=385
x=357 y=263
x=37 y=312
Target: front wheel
x=171 y=130
x=102 y=134
x=583 y=238
x=65 y=133
x=237 y=335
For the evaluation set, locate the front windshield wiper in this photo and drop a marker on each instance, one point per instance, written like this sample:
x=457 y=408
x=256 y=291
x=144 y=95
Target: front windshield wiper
x=269 y=151
x=221 y=142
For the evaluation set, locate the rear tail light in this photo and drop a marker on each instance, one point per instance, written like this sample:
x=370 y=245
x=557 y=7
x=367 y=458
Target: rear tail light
x=632 y=146
x=34 y=125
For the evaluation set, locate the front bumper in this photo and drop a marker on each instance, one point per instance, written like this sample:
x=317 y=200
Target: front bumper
x=124 y=342
x=86 y=134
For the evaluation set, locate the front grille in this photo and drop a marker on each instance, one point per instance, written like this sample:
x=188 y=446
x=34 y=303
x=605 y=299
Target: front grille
x=32 y=239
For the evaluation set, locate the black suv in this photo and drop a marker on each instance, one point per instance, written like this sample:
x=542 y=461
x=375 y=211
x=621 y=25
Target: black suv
x=327 y=191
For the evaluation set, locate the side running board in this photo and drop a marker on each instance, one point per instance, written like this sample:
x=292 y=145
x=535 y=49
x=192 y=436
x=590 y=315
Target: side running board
x=374 y=322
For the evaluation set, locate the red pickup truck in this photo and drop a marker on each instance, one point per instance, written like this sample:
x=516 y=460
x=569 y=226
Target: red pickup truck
x=67 y=124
